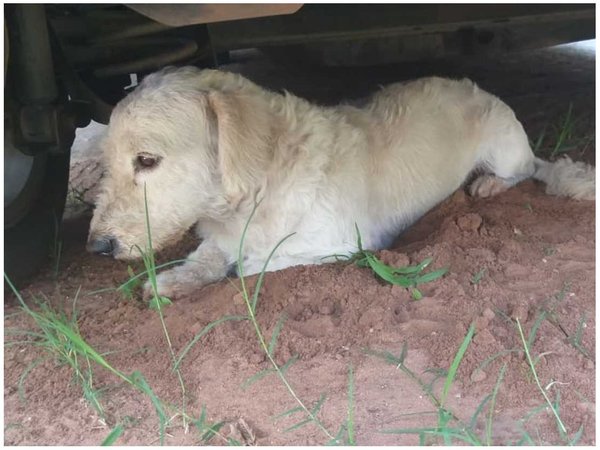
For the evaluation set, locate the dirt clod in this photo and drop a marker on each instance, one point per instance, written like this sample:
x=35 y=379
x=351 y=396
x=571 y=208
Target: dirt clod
x=469 y=222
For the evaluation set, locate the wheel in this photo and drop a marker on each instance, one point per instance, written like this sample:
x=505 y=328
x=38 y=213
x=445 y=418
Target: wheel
x=38 y=131
x=35 y=190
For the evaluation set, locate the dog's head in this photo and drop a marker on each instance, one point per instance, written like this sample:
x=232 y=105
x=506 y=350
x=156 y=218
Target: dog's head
x=183 y=147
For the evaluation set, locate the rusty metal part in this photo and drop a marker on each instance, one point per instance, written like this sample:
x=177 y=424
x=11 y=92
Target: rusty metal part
x=32 y=62
x=320 y=23
x=194 y=14
x=180 y=50
x=133 y=55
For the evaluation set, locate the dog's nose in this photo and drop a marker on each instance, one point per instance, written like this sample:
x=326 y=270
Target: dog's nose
x=103 y=245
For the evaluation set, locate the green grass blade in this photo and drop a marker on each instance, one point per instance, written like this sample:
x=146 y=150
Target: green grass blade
x=538 y=143
x=473 y=421
x=386 y=273
x=409 y=430
x=200 y=421
x=288 y=364
x=448 y=433
x=256 y=377
x=23 y=377
x=275 y=335
x=318 y=405
x=298 y=425
x=261 y=276
x=134 y=279
x=140 y=382
x=350 y=418
x=443 y=419
x=338 y=437
x=240 y=265
x=212 y=432
x=416 y=294
x=456 y=362
x=576 y=437
x=314 y=411
x=431 y=276
x=85 y=349
x=386 y=356
x=158 y=302
x=289 y=412
x=495 y=356
x=409 y=270
x=537 y=380
x=203 y=332
x=477 y=277
x=358 y=238
x=113 y=436
x=564 y=134
x=488 y=428
x=534 y=412
x=533 y=333
x=403 y=353
x=17 y=332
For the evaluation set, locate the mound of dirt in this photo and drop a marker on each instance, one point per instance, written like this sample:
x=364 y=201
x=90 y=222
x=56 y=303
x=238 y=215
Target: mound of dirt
x=515 y=256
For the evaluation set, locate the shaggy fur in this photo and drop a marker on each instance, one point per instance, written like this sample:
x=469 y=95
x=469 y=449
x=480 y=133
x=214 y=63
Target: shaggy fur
x=221 y=143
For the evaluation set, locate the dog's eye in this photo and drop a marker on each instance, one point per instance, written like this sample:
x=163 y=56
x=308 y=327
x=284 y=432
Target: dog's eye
x=145 y=161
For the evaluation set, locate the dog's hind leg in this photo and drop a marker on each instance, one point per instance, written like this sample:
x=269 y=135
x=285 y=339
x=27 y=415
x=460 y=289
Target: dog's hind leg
x=504 y=154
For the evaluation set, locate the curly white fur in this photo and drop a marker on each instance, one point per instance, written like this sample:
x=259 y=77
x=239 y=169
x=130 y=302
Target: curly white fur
x=223 y=143
x=567 y=178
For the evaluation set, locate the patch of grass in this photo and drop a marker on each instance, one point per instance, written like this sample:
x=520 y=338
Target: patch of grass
x=561 y=138
x=564 y=134
x=549 y=310
x=251 y=301
x=526 y=347
x=207 y=430
x=408 y=277
x=478 y=276
x=157 y=303
x=449 y=428
x=576 y=339
x=269 y=347
x=59 y=335
x=61 y=338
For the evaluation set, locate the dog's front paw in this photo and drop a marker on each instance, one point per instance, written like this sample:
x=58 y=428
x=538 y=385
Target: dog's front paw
x=175 y=283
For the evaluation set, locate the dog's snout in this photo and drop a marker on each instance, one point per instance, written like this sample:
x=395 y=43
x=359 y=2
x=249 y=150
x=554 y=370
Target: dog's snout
x=104 y=245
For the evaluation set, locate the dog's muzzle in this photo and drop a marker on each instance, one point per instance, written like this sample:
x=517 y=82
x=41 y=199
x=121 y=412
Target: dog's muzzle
x=104 y=245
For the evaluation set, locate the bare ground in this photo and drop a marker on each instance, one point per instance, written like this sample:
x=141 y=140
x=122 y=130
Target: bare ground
x=534 y=255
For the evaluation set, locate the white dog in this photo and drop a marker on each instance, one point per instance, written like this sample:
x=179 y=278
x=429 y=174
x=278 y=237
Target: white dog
x=208 y=144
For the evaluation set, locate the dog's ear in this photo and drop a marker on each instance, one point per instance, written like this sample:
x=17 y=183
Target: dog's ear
x=245 y=140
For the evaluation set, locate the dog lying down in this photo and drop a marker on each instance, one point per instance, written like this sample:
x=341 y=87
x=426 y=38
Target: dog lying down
x=208 y=144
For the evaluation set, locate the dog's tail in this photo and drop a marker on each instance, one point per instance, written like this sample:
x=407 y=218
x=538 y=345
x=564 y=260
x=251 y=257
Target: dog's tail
x=567 y=178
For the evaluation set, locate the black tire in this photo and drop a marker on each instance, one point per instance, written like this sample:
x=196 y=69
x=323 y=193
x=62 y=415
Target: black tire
x=30 y=241
x=35 y=187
